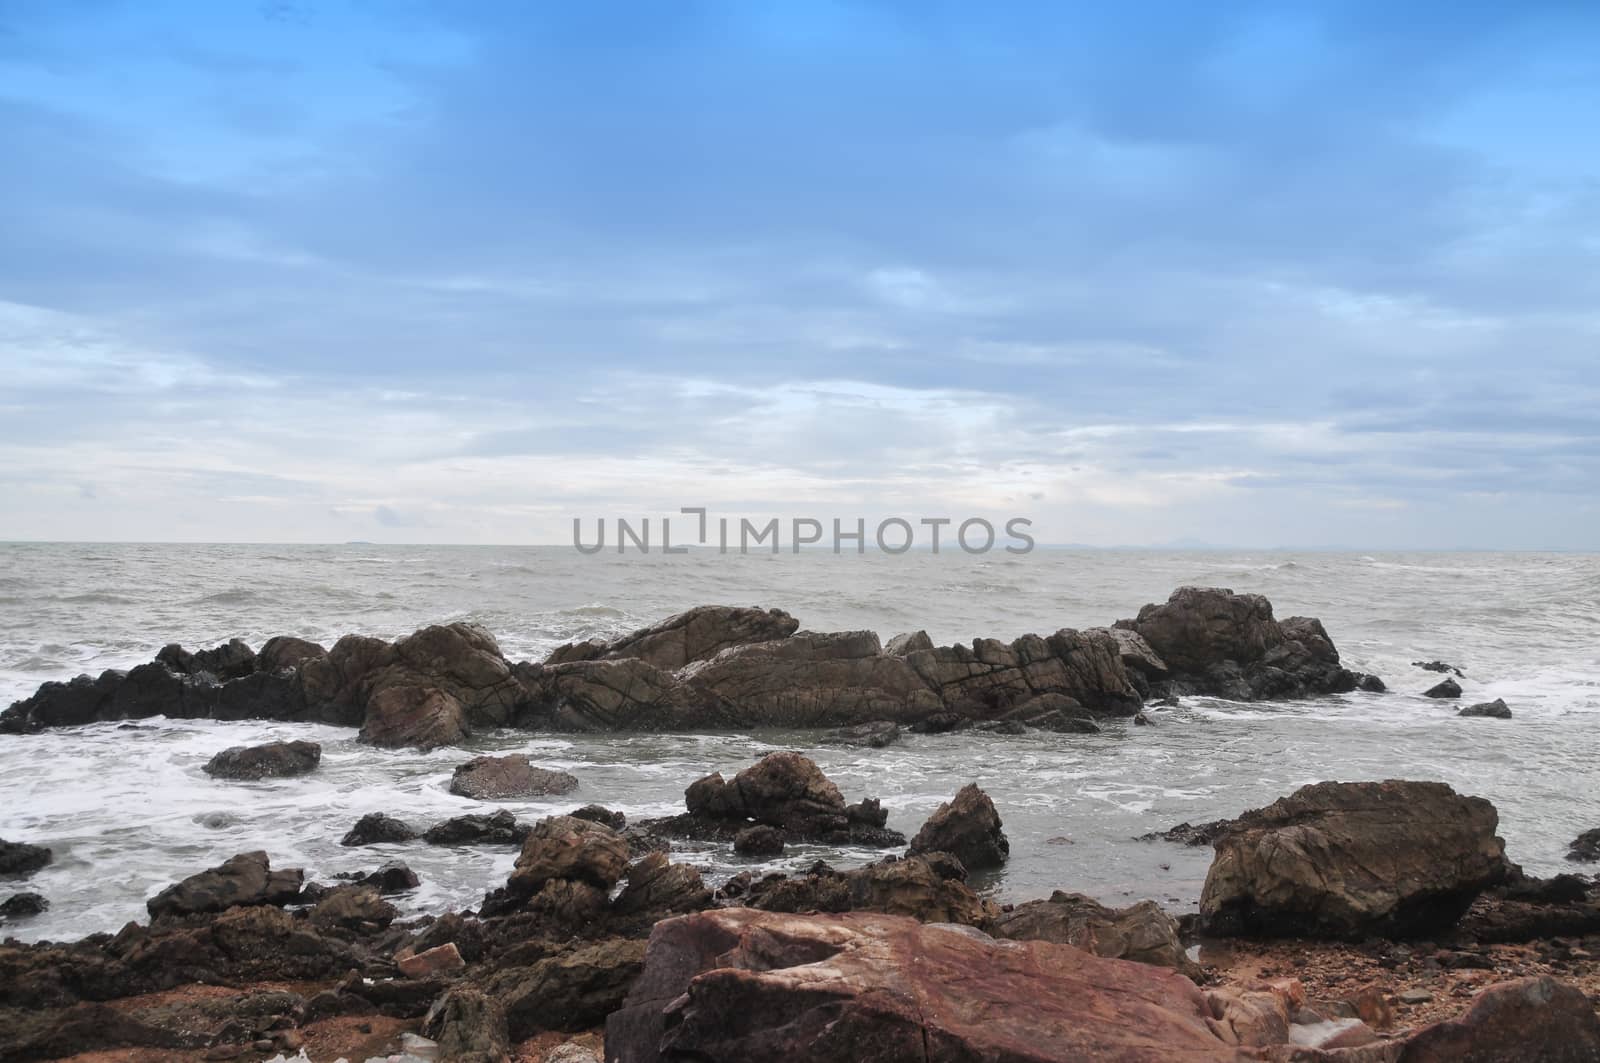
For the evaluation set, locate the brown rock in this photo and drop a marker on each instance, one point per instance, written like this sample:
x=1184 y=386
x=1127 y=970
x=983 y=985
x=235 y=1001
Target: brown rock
x=1348 y=860
x=740 y=985
x=571 y=991
x=409 y=715
x=469 y=1027
x=921 y=887
x=511 y=776
x=243 y=880
x=696 y=635
x=564 y=847
x=968 y=828
x=759 y=841
x=286 y=651
x=1141 y=932
x=273 y=760
x=1514 y=1022
x=354 y=907
x=659 y=887
x=438 y=960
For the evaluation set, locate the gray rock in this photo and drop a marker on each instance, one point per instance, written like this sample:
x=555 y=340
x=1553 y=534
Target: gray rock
x=1496 y=709
x=512 y=776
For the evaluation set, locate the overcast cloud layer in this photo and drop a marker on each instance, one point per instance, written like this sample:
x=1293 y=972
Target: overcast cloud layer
x=1281 y=274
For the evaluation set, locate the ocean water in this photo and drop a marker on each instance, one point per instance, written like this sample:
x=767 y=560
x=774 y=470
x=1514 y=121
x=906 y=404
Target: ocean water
x=129 y=811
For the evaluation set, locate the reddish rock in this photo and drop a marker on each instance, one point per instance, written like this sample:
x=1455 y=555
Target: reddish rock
x=568 y=848
x=1514 y=1022
x=445 y=957
x=418 y=716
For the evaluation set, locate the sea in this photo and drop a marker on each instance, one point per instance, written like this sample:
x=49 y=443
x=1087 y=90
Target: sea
x=129 y=811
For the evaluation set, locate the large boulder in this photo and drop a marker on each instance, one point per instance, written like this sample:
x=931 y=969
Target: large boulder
x=469 y=1026
x=286 y=651
x=574 y=990
x=240 y=881
x=422 y=717
x=1209 y=640
x=19 y=859
x=1527 y=1019
x=565 y=847
x=1496 y=709
x=501 y=828
x=1142 y=932
x=968 y=828
x=378 y=828
x=737 y=985
x=273 y=760
x=696 y=635
x=511 y=776
x=1351 y=860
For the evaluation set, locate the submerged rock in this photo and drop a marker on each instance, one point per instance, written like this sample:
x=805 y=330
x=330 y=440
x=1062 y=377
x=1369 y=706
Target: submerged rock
x=19 y=859
x=1190 y=833
x=1438 y=666
x=1447 y=689
x=968 y=828
x=23 y=905
x=874 y=735
x=512 y=776
x=377 y=828
x=1352 y=860
x=273 y=760
x=240 y=881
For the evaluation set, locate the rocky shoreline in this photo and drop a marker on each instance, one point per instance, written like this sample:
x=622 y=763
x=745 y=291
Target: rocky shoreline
x=1343 y=923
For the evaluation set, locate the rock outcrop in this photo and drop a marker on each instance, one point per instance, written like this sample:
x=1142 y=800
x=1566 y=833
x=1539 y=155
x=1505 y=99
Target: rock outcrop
x=1350 y=860
x=720 y=667
x=1142 y=932
x=1585 y=848
x=968 y=828
x=1527 y=1019
x=19 y=859
x=378 y=828
x=240 y=881
x=508 y=777
x=930 y=889
x=274 y=760
x=1209 y=640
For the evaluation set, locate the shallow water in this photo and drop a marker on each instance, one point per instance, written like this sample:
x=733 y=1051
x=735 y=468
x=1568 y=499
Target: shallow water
x=129 y=811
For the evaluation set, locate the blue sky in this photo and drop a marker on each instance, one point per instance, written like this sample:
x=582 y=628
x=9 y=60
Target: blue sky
x=1257 y=274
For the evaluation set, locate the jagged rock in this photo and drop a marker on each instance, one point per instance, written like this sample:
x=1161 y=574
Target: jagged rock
x=869 y=811
x=273 y=760
x=23 y=905
x=908 y=643
x=1141 y=932
x=941 y=723
x=437 y=960
x=696 y=635
x=243 y=880
x=1447 y=689
x=19 y=859
x=564 y=847
x=286 y=651
x=1351 y=860
x=232 y=660
x=393 y=877
x=1585 y=847
x=512 y=776
x=737 y=985
x=1438 y=666
x=874 y=735
x=353 y=907
x=926 y=888
x=601 y=814
x=377 y=828
x=572 y=991
x=967 y=827
x=422 y=717
x=1190 y=833
x=501 y=828
x=1526 y=1019
x=469 y=1026
x=659 y=887
x=1215 y=642
x=758 y=841
x=1496 y=709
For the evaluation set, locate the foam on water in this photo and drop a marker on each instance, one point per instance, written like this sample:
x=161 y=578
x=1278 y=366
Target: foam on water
x=129 y=811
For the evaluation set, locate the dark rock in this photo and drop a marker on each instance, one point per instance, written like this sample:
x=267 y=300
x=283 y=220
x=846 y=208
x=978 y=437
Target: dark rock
x=601 y=814
x=285 y=651
x=1447 y=689
x=1496 y=709
x=1353 y=860
x=785 y=790
x=928 y=888
x=354 y=907
x=23 y=905
x=512 y=776
x=1438 y=666
x=941 y=723
x=233 y=660
x=501 y=828
x=273 y=760
x=1143 y=720
x=1190 y=833
x=1524 y=1020
x=393 y=877
x=572 y=991
x=469 y=1027
x=759 y=841
x=967 y=827
x=1371 y=684
x=19 y=859
x=377 y=828
x=240 y=881
x=869 y=811
x=657 y=887
x=874 y=735
x=563 y=847
x=421 y=717
x=1585 y=847
x=1141 y=932
x=696 y=635
x=1002 y=727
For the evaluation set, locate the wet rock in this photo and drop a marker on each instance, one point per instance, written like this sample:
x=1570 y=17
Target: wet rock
x=1496 y=709
x=233 y=660
x=19 y=859
x=501 y=828
x=696 y=635
x=1141 y=932
x=287 y=652
x=967 y=827
x=470 y=1027
x=737 y=985
x=563 y=847
x=243 y=880
x=23 y=906
x=759 y=841
x=420 y=717
x=356 y=907
x=572 y=991
x=1438 y=666
x=874 y=735
x=1447 y=689
x=438 y=960
x=393 y=877
x=1585 y=847
x=1526 y=1019
x=659 y=887
x=601 y=814
x=270 y=761
x=1531 y=909
x=1190 y=833
x=941 y=723
x=908 y=643
x=377 y=828
x=1351 y=860
x=1143 y=720
x=511 y=776
x=926 y=888
x=869 y=812
x=1002 y=727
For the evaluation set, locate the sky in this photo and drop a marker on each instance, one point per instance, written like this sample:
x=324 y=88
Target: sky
x=1285 y=274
